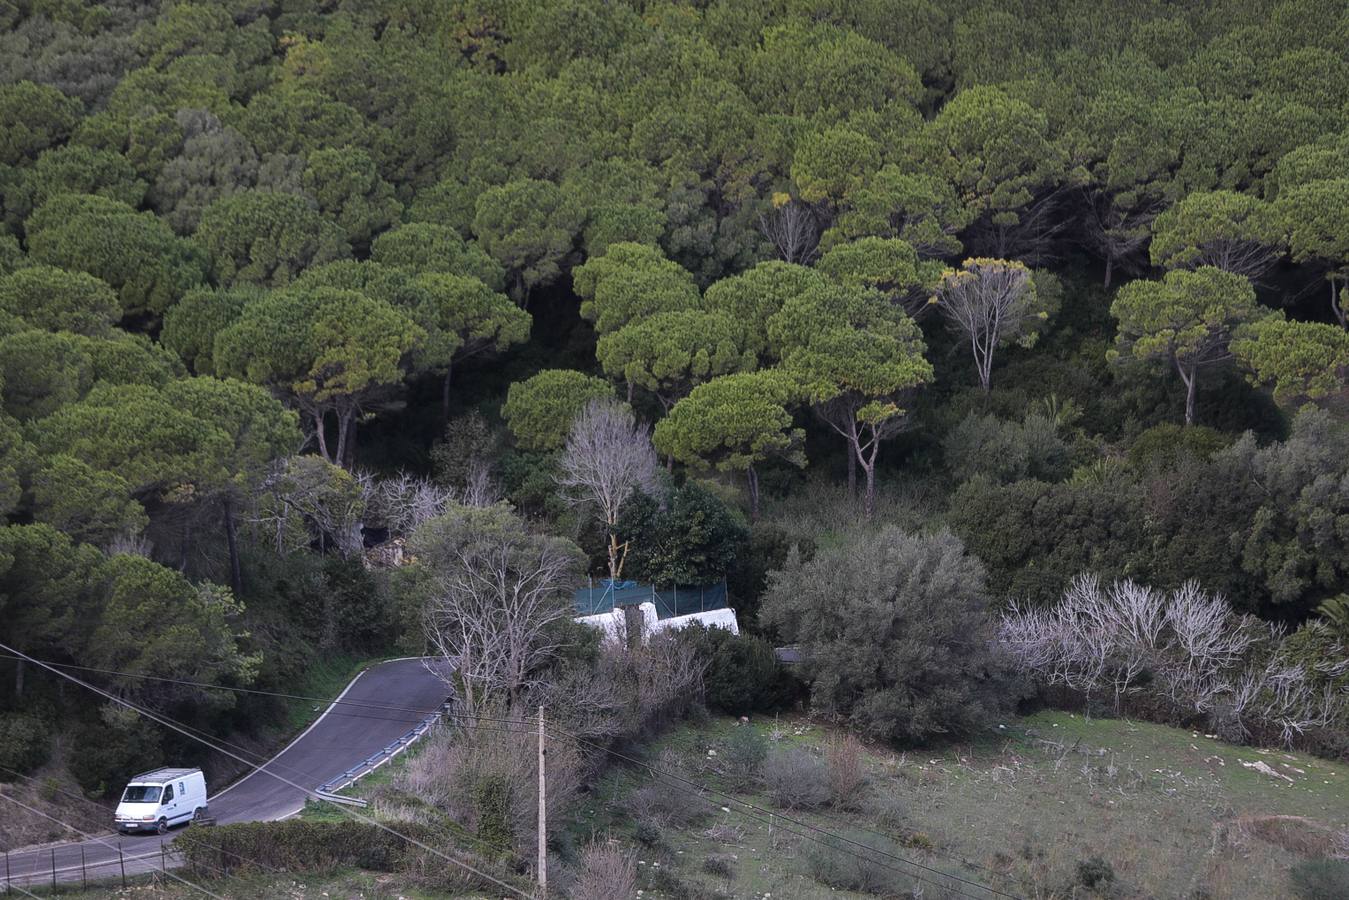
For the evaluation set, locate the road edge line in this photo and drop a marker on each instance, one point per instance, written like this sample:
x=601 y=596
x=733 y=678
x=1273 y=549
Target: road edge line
x=299 y=737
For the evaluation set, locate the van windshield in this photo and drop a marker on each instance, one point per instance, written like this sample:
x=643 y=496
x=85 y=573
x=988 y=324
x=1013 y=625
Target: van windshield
x=141 y=793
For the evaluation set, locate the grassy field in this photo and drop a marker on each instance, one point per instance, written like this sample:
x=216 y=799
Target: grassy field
x=1171 y=813
x=1054 y=802
x=352 y=885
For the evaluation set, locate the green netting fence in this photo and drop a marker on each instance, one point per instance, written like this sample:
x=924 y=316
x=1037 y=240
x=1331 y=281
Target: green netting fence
x=603 y=595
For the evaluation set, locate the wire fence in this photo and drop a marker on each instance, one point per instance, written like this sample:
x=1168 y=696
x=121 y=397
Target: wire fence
x=604 y=596
x=62 y=868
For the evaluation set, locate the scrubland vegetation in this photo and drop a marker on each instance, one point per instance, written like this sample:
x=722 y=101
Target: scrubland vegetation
x=992 y=355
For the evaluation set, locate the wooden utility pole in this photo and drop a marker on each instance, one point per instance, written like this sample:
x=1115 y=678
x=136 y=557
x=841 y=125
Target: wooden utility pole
x=543 y=815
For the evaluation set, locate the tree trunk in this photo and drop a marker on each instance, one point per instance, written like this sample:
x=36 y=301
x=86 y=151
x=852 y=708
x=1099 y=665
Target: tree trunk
x=869 y=504
x=232 y=541
x=1191 y=379
x=320 y=426
x=852 y=472
x=445 y=394
x=752 y=479
x=630 y=387
x=1109 y=267
x=349 y=442
x=614 y=568
x=1335 y=305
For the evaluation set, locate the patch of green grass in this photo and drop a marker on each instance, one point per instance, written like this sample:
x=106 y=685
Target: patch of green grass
x=1301 y=784
x=347 y=884
x=1170 y=811
x=325 y=680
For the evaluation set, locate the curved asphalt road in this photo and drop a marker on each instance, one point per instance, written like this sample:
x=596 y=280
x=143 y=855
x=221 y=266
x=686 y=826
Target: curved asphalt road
x=352 y=729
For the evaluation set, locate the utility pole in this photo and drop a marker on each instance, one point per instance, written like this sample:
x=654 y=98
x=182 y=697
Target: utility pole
x=543 y=815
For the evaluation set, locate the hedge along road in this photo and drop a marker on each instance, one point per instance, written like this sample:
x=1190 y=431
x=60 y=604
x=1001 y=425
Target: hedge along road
x=353 y=728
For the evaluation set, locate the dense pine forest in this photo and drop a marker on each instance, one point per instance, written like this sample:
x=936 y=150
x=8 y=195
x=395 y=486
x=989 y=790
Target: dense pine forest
x=993 y=354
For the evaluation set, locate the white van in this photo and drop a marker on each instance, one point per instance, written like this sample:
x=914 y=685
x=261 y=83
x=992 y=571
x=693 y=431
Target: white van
x=155 y=800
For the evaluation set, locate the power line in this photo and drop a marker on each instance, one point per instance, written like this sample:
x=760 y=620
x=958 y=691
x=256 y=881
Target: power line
x=169 y=723
x=9 y=884
x=732 y=798
x=99 y=840
x=103 y=811
x=523 y=724
x=15 y=654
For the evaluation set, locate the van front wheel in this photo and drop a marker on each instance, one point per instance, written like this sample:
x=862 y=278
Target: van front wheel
x=162 y=826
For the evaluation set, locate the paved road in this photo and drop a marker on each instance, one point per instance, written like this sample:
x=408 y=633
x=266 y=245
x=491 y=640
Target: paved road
x=349 y=731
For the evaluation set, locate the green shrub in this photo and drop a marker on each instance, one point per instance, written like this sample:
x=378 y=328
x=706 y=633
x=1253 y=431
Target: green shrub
x=24 y=743
x=686 y=537
x=796 y=780
x=849 y=867
x=745 y=753
x=648 y=834
x=1162 y=446
x=299 y=846
x=743 y=674
x=1095 y=872
x=492 y=806
x=897 y=635
x=1321 y=879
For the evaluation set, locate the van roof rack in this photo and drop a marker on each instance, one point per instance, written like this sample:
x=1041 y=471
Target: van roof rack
x=164 y=774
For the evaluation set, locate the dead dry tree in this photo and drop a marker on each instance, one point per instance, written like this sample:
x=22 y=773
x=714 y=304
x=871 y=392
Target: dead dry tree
x=607 y=872
x=607 y=459
x=1195 y=651
x=990 y=302
x=792 y=228
x=498 y=590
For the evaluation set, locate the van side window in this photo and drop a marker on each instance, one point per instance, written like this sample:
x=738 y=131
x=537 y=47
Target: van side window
x=168 y=793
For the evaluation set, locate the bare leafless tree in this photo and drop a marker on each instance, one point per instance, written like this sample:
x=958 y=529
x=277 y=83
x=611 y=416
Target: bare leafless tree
x=608 y=872
x=479 y=488
x=608 y=458
x=402 y=503
x=990 y=302
x=498 y=589
x=1202 y=656
x=793 y=229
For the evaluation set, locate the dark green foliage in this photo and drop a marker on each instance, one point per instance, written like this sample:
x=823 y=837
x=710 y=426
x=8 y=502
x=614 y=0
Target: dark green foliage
x=33 y=117
x=24 y=743
x=849 y=867
x=190 y=187
x=299 y=846
x=144 y=261
x=468 y=441
x=1320 y=879
x=56 y=300
x=744 y=754
x=688 y=537
x=895 y=630
x=1166 y=444
x=492 y=810
x=1095 y=873
x=1035 y=537
x=1006 y=451
x=743 y=674
x=266 y=238
x=766 y=550
x=105 y=748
